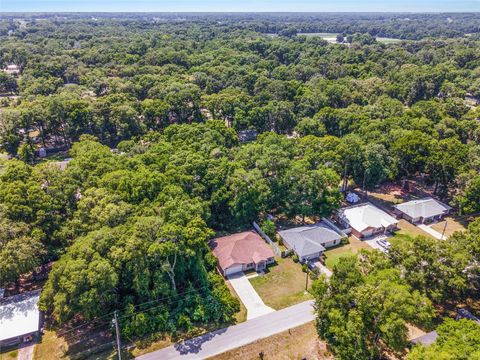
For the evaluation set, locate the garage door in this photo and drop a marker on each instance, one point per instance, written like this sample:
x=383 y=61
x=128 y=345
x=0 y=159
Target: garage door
x=367 y=233
x=233 y=269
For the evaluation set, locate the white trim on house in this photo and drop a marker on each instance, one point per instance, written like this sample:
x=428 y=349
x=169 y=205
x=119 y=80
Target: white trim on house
x=309 y=242
x=367 y=219
x=421 y=210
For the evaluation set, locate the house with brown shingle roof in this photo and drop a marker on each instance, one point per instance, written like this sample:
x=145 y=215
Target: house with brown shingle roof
x=241 y=252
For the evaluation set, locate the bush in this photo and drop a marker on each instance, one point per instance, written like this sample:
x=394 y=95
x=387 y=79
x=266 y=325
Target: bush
x=345 y=240
x=269 y=228
x=279 y=239
x=295 y=258
x=314 y=274
x=304 y=267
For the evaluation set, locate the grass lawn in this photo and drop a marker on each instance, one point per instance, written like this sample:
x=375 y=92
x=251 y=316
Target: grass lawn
x=411 y=230
x=299 y=343
x=50 y=347
x=283 y=285
x=387 y=199
x=333 y=255
x=453 y=224
x=10 y=355
x=53 y=347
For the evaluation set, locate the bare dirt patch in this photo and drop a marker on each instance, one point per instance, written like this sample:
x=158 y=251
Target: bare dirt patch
x=298 y=343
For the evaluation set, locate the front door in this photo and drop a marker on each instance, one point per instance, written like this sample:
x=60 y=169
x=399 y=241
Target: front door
x=260 y=266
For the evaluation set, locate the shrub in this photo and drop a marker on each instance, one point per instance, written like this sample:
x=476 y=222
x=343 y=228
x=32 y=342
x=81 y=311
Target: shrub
x=295 y=258
x=269 y=228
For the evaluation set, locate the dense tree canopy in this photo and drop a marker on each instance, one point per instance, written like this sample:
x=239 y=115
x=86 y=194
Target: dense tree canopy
x=149 y=111
x=364 y=308
x=456 y=340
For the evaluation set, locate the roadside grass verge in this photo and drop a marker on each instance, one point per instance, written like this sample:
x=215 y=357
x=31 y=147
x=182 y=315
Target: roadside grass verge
x=283 y=284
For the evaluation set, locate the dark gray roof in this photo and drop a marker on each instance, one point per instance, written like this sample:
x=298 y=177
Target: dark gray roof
x=427 y=339
x=426 y=208
x=307 y=240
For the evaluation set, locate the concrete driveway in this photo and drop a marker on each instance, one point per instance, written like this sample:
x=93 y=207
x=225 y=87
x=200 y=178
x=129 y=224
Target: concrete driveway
x=249 y=297
x=372 y=242
x=323 y=269
x=431 y=231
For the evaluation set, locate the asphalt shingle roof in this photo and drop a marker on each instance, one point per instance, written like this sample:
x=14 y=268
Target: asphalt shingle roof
x=426 y=208
x=306 y=240
x=242 y=248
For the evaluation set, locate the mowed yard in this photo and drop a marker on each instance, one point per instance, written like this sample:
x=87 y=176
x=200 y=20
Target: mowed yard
x=332 y=256
x=406 y=230
x=454 y=224
x=283 y=284
x=298 y=343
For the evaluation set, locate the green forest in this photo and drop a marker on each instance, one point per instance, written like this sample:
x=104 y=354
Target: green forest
x=147 y=111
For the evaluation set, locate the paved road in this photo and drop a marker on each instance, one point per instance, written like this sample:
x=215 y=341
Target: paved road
x=249 y=297
x=222 y=340
x=431 y=231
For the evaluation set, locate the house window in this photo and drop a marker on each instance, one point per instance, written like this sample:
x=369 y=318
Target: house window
x=250 y=265
x=334 y=242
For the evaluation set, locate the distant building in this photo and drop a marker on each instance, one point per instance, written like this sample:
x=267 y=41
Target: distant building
x=247 y=135
x=20 y=319
x=465 y=314
x=12 y=69
x=426 y=339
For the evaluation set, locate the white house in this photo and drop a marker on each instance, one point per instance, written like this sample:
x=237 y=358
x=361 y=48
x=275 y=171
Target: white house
x=422 y=210
x=12 y=69
x=20 y=319
x=367 y=220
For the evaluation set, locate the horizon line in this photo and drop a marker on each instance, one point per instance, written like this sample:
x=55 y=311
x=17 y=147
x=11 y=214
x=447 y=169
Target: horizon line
x=240 y=12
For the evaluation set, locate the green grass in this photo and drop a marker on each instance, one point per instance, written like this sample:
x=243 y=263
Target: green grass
x=388 y=40
x=410 y=230
x=10 y=355
x=241 y=316
x=332 y=256
x=283 y=285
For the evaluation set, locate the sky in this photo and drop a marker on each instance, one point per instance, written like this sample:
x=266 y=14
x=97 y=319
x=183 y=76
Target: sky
x=239 y=5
